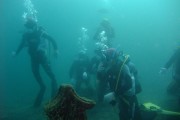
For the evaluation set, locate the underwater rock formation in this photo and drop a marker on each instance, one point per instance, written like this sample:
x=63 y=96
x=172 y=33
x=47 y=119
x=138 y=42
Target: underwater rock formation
x=67 y=105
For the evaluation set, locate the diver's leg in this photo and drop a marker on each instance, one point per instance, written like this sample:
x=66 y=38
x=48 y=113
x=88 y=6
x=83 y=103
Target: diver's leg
x=127 y=108
x=78 y=85
x=173 y=88
x=170 y=88
x=90 y=91
x=137 y=111
x=123 y=110
x=36 y=73
x=101 y=90
x=49 y=72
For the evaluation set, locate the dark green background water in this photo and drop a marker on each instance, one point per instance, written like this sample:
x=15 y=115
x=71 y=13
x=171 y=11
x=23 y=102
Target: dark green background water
x=148 y=30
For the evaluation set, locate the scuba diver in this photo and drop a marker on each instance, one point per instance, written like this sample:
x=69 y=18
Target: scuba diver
x=79 y=72
x=96 y=59
x=115 y=74
x=93 y=68
x=174 y=87
x=35 y=39
x=105 y=33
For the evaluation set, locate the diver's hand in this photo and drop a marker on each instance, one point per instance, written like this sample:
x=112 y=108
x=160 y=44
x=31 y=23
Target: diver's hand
x=13 y=53
x=110 y=98
x=101 y=68
x=130 y=92
x=85 y=76
x=163 y=70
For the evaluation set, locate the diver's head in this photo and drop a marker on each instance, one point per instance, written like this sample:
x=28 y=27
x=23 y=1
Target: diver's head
x=105 y=22
x=30 y=23
x=82 y=53
x=112 y=56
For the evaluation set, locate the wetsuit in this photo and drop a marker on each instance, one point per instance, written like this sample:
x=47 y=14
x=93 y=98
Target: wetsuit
x=80 y=66
x=175 y=61
x=36 y=41
x=94 y=62
x=126 y=98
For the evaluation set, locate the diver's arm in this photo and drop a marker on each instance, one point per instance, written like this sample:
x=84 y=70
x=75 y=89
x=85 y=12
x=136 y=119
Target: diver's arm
x=21 y=45
x=172 y=59
x=101 y=72
x=132 y=69
x=128 y=82
x=170 y=62
x=48 y=37
x=54 y=44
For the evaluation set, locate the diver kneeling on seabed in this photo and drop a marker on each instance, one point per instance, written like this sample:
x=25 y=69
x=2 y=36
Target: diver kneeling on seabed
x=121 y=80
x=119 y=72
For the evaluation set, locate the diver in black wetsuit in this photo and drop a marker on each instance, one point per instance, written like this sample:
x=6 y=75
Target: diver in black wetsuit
x=174 y=87
x=79 y=72
x=117 y=74
x=36 y=40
